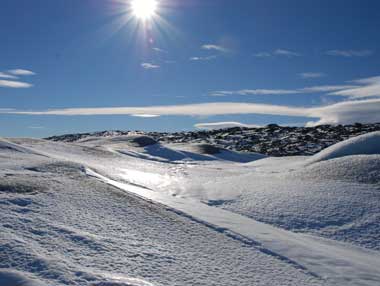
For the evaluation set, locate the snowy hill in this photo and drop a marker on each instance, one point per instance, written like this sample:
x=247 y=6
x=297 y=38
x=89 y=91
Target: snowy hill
x=136 y=209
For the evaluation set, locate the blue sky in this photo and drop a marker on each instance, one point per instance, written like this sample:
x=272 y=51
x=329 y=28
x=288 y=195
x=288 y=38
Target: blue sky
x=76 y=66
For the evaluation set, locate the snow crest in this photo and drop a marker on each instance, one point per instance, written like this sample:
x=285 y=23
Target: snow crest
x=368 y=144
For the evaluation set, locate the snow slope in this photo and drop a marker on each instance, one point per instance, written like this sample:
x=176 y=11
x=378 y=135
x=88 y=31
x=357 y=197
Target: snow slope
x=72 y=229
x=338 y=199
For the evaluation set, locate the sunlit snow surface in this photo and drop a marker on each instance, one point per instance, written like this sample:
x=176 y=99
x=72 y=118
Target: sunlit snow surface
x=60 y=225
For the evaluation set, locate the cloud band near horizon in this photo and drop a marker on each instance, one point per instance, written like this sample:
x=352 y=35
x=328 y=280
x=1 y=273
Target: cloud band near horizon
x=365 y=111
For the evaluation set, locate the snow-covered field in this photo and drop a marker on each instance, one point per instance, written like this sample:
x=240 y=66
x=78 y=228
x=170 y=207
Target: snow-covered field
x=124 y=210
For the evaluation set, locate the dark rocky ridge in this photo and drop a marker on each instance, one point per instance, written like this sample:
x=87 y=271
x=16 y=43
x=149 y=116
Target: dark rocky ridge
x=271 y=140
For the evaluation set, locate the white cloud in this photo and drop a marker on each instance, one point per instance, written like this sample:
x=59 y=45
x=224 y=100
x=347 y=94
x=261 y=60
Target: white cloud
x=36 y=127
x=210 y=47
x=215 y=48
x=223 y=125
x=7 y=76
x=312 y=75
x=360 y=88
x=202 y=109
x=365 y=111
x=208 y=58
x=324 y=88
x=14 y=84
x=313 y=89
x=253 y=92
x=21 y=72
x=287 y=53
x=348 y=112
x=350 y=53
x=159 y=50
x=145 y=115
x=263 y=55
x=278 y=52
x=370 y=88
x=149 y=66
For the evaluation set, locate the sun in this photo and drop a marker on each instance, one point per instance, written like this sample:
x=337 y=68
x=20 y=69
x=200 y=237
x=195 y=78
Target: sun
x=144 y=9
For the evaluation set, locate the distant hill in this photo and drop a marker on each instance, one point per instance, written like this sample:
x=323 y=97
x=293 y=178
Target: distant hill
x=270 y=140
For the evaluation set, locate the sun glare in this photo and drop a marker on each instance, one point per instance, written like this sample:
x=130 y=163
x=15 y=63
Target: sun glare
x=144 y=9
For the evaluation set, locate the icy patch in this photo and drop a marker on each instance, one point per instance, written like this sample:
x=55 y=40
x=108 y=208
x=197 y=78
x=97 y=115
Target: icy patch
x=367 y=144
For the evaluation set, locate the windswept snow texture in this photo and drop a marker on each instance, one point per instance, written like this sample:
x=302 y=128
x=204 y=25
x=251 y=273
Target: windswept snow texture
x=205 y=218
x=71 y=229
x=16 y=278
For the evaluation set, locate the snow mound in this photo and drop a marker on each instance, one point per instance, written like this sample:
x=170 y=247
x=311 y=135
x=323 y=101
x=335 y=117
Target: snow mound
x=16 y=278
x=182 y=152
x=358 y=168
x=212 y=152
x=131 y=140
x=134 y=140
x=12 y=147
x=207 y=149
x=141 y=141
x=367 y=144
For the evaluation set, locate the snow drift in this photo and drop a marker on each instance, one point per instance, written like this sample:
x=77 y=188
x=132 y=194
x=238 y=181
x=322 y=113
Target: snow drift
x=367 y=144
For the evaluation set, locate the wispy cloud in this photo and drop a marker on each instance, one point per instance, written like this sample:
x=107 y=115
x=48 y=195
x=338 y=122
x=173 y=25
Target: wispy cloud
x=208 y=58
x=149 y=66
x=325 y=88
x=287 y=53
x=21 y=72
x=370 y=87
x=263 y=55
x=9 y=79
x=220 y=50
x=278 y=52
x=214 y=47
x=344 y=112
x=253 y=92
x=14 y=84
x=360 y=88
x=36 y=127
x=224 y=125
x=350 y=53
x=312 y=75
x=313 y=89
x=159 y=50
x=347 y=112
x=202 y=109
x=7 y=76
x=145 y=115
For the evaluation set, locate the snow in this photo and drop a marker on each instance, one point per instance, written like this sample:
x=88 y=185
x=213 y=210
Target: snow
x=145 y=147
x=366 y=144
x=16 y=278
x=79 y=231
x=113 y=211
